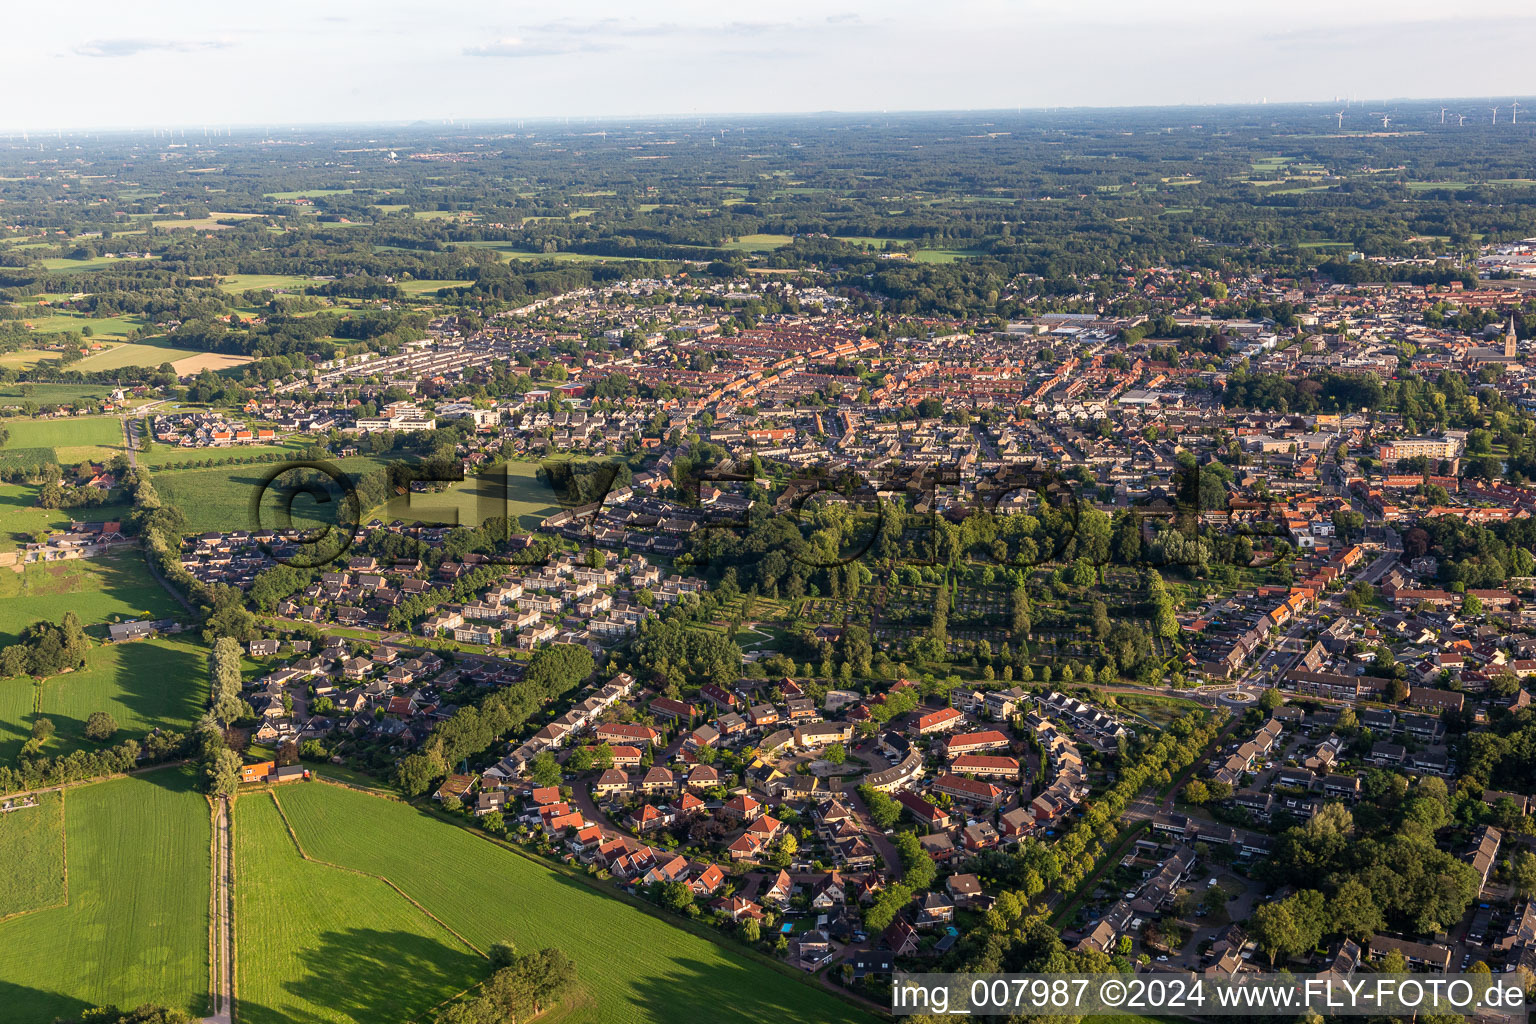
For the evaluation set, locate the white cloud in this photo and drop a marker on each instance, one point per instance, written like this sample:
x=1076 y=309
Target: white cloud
x=134 y=47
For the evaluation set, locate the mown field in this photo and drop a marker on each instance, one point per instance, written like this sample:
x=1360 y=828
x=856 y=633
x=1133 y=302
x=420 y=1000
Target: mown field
x=220 y=498
x=20 y=517
x=43 y=394
x=73 y=439
x=135 y=928
x=142 y=353
x=32 y=857
x=632 y=967
x=475 y=499
x=164 y=456
x=99 y=590
x=319 y=943
x=102 y=328
x=17 y=700
x=147 y=684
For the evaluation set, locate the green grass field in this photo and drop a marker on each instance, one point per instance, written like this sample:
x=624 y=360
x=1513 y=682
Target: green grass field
x=247 y=282
x=75 y=438
x=509 y=251
x=145 y=685
x=319 y=943
x=162 y=456
x=477 y=498
x=757 y=243
x=142 y=353
x=99 y=590
x=427 y=287
x=135 y=929
x=219 y=498
x=101 y=328
x=67 y=265
x=632 y=967
x=20 y=518
x=32 y=857
x=50 y=394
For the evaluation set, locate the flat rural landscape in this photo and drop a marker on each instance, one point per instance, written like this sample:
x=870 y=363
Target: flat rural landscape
x=133 y=927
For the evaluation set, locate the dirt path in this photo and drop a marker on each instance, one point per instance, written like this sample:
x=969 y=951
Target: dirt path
x=222 y=953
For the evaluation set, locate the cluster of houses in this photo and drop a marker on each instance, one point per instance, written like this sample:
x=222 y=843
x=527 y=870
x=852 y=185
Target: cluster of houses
x=205 y=429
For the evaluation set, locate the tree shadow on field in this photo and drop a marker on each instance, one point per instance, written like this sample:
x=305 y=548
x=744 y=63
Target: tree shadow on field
x=732 y=990
x=163 y=687
x=20 y=1003
x=372 y=975
x=730 y=993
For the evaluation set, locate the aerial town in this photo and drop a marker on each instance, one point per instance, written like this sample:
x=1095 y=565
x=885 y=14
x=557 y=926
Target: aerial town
x=425 y=600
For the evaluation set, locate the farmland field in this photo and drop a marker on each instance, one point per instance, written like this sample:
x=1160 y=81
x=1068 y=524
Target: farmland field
x=263 y=282
x=67 y=265
x=99 y=590
x=43 y=394
x=632 y=967
x=74 y=437
x=101 y=327
x=32 y=857
x=319 y=943
x=142 y=353
x=147 y=684
x=17 y=697
x=220 y=498
x=525 y=499
x=135 y=928
x=164 y=456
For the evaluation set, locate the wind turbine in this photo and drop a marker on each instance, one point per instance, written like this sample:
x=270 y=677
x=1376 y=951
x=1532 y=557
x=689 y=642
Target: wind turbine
x=1514 y=112
x=1340 y=116
x=1386 y=119
x=1495 y=114
x=1461 y=119
x=1442 y=115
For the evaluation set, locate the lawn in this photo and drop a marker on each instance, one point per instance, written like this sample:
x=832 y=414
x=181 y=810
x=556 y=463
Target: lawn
x=20 y=518
x=75 y=438
x=99 y=590
x=475 y=499
x=135 y=928
x=220 y=498
x=320 y=943
x=145 y=685
x=32 y=857
x=632 y=967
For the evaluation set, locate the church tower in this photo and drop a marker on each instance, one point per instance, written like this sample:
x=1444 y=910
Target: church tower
x=1509 y=340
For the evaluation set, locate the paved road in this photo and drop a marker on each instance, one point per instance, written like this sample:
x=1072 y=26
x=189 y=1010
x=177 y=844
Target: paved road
x=222 y=952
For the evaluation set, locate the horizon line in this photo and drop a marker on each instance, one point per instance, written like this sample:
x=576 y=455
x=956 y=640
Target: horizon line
x=502 y=121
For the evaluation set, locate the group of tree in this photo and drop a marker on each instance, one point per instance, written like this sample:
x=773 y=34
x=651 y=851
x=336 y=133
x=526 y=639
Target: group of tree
x=521 y=988
x=45 y=649
x=554 y=671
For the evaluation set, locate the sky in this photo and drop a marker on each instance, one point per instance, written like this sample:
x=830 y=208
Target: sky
x=105 y=64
